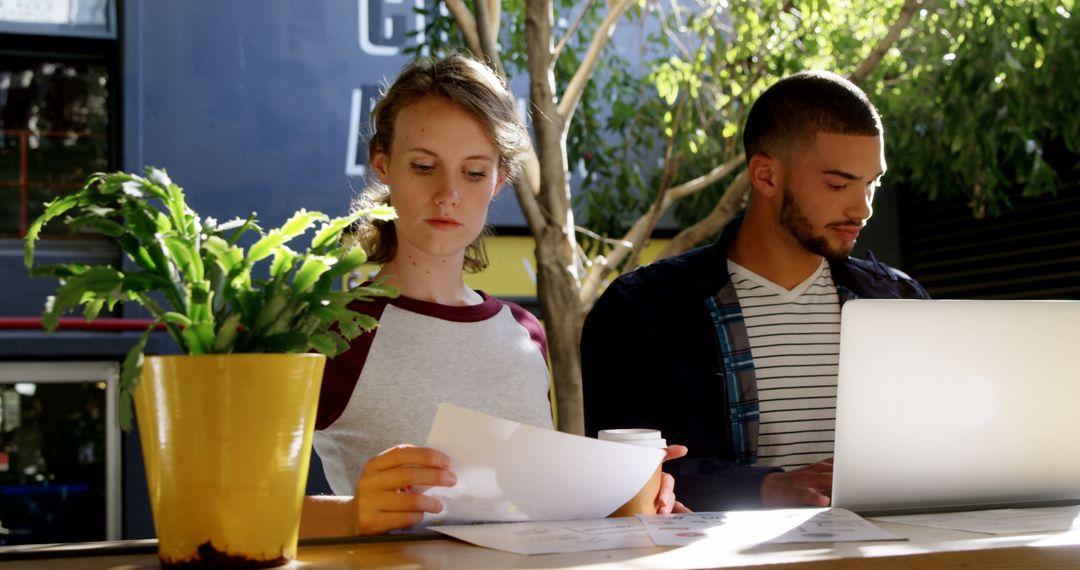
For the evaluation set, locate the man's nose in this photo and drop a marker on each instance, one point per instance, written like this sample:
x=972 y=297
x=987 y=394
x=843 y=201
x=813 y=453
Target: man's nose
x=861 y=205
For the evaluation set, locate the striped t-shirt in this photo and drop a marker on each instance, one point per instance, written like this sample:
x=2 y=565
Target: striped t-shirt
x=795 y=343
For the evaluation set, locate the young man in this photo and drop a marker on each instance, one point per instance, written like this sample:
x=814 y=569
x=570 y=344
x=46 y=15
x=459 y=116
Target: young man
x=732 y=349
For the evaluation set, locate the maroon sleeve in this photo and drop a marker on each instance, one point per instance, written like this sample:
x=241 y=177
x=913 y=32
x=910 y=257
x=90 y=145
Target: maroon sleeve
x=531 y=324
x=343 y=371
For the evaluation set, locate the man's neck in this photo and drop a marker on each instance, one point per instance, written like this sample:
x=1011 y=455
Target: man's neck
x=767 y=250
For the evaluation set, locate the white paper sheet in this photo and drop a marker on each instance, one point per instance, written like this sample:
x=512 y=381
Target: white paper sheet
x=763 y=526
x=998 y=521
x=508 y=471
x=553 y=537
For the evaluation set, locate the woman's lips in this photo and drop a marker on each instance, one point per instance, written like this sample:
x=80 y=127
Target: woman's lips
x=445 y=224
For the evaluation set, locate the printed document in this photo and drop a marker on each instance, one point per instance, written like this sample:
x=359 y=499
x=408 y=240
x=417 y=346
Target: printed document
x=508 y=471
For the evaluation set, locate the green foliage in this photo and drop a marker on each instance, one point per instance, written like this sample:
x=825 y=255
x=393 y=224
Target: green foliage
x=983 y=102
x=978 y=96
x=711 y=60
x=212 y=304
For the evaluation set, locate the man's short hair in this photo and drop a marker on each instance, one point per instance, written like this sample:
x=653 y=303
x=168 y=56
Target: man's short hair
x=796 y=108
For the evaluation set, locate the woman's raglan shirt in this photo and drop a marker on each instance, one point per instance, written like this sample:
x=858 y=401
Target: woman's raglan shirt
x=384 y=390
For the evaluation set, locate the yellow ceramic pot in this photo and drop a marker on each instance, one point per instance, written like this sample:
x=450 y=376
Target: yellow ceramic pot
x=226 y=441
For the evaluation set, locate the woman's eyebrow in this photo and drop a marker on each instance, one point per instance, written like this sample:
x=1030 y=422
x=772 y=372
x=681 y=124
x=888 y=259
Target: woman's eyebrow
x=432 y=153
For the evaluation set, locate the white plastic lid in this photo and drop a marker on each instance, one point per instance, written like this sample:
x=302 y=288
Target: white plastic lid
x=635 y=436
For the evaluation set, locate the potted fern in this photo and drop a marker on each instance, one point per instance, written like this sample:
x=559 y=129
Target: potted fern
x=226 y=427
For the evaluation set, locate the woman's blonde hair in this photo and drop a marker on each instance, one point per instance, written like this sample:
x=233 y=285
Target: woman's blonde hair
x=475 y=88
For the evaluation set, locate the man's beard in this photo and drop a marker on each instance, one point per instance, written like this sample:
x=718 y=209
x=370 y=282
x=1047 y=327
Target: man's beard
x=795 y=222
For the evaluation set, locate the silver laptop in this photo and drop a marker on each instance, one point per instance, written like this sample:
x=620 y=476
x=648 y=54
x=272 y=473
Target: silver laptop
x=954 y=405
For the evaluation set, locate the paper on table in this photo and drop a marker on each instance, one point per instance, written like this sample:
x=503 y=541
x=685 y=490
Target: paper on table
x=758 y=527
x=553 y=537
x=998 y=521
x=507 y=471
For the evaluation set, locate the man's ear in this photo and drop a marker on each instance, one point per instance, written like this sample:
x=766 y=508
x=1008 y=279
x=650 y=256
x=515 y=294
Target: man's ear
x=764 y=174
x=380 y=164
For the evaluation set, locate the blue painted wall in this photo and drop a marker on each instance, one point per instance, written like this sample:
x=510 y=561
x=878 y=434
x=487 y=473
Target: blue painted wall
x=249 y=104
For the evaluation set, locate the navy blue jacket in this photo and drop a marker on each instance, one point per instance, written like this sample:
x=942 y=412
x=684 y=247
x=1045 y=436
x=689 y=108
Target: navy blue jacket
x=649 y=360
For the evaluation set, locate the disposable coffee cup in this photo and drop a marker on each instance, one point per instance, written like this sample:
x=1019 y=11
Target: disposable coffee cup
x=644 y=503
x=634 y=436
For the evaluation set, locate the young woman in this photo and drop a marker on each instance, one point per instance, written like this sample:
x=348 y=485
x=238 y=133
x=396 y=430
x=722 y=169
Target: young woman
x=446 y=139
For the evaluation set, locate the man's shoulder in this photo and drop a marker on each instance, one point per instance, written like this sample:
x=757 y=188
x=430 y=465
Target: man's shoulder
x=874 y=267
x=672 y=275
x=870 y=272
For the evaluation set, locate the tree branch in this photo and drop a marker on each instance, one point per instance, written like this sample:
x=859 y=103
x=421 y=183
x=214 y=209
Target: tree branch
x=726 y=208
x=571 y=30
x=570 y=97
x=530 y=207
x=874 y=57
x=495 y=16
x=691 y=186
x=467 y=23
x=487 y=29
x=653 y=214
x=635 y=238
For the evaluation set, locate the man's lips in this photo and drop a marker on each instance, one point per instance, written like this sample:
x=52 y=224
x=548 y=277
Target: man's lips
x=849 y=233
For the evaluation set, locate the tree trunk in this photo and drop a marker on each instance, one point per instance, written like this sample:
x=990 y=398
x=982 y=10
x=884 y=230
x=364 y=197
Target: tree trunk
x=563 y=319
x=556 y=246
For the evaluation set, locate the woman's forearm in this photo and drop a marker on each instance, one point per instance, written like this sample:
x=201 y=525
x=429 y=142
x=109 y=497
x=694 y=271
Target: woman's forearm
x=328 y=515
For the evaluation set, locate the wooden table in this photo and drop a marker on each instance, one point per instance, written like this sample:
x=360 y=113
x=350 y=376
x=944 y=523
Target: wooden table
x=926 y=548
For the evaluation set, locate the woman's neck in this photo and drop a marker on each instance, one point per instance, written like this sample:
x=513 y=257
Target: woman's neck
x=430 y=278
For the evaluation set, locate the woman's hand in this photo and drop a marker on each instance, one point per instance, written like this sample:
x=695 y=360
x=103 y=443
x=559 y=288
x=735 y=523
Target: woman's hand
x=665 y=498
x=385 y=499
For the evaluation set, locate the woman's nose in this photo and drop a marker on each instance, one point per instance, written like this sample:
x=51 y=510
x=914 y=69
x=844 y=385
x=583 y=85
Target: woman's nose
x=447 y=194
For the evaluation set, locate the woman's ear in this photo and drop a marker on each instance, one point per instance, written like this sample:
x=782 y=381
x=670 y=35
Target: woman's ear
x=380 y=164
x=500 y=181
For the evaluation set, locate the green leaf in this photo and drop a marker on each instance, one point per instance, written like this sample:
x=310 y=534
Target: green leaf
x=130 y=374
x=60 y=270
x=93 y=308
x=226 y=334
x=329 y=343
x=310 y=270
x=284 y=260
x=300 y=222
x=265 y=246
x=97 y=282
x=290 y=341
x=180 y=249
x=52 y=210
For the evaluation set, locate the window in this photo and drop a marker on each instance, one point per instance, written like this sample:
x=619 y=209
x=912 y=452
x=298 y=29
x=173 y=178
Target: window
x=59 y=452
x=54 y=132
x=77 y=18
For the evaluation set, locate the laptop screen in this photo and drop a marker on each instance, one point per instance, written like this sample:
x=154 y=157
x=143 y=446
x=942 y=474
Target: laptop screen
x=947 y=405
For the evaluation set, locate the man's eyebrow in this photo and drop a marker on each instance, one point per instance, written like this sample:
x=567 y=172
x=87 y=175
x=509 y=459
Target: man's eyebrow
x=849 y=175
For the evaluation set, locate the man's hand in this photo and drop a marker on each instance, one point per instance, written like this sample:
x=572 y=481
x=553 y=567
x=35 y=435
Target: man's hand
x=384 y=498
x=806 y=486
x=665 y=499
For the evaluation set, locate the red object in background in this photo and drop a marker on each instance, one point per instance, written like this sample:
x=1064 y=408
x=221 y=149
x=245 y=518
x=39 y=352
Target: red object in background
x=78 y=323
